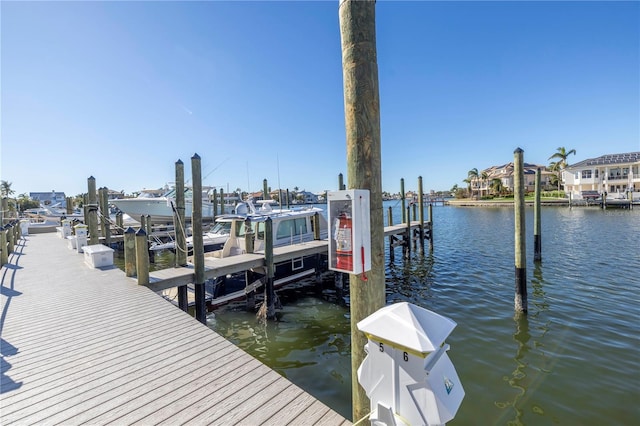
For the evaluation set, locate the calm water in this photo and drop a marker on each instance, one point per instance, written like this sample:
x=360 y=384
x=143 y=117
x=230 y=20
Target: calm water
x=572 y=360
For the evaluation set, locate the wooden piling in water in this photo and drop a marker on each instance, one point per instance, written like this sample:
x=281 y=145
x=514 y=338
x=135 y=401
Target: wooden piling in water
x=392 y=238
x=142 y=257
x=421 y=214
x=69 y=205
x=265 y=190
x=362 y=122
x=537 y=237
x=92 y=211
x=270 y=294
x=119 y=222
x=180 y=228
x=520 y=300
x=407 y=235
x=287 y=198
x=11 y=246
x=197 y=236
x=104 y=212
x=403 y=200
x=4 y=211
x=130 y=261
x=248 y=274
x=221 y=201
x=430 y=221
x=214 y=201
x=340 y=182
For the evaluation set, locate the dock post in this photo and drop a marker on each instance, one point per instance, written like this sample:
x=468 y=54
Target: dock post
x=197 y=236
x=270 y=294
x=265 y=190
x=248 y=274
x=430 y=220
x=392 y=254
x=421 y=214
x=143 y=222
x=287 y=198
x=214 y=201
x=604 y=199
x=130 y=252
x=221 y=201
x=570 y=200
x=180 y=231
x=179 y=213
x=148 y=226
x=362 y=122
x=407 y=236
x=142 y=257
x=520 y=300
x=92 y=211
x=403 y=202
x=340 y=182
x=106 y=220
x=630 y=197
x=10 y=238
x=4 y=255
x=537 y=238
x=4 y=210
x=119 y=221
x=69 y=205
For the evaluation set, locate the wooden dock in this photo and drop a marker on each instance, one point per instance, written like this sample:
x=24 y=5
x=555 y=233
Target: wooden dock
x=89 y=346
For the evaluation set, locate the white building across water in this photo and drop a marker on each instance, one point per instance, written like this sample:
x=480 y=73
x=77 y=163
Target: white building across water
x=611 y=173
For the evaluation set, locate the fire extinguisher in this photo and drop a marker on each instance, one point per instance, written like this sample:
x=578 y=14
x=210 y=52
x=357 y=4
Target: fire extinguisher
x=344 y=242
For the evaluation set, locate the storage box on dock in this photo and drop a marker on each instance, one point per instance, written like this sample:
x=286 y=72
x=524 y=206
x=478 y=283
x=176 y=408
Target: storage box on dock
x=98 y=255
x=72 y=242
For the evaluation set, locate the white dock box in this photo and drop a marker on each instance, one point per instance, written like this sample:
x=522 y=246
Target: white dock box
x=98 y=255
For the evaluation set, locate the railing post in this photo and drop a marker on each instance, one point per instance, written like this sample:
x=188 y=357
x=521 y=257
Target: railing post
x=130 y=261
x=142 y=257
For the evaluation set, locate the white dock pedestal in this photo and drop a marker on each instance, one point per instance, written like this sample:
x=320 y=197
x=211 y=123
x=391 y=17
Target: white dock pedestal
x=98 y=256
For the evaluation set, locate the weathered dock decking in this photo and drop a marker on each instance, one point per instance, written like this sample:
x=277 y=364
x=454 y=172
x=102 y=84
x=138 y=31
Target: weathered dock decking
x=88 y=346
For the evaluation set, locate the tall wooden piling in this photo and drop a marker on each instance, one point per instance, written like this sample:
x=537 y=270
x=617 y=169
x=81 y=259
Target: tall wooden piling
x=180 y=219
x=69 y=205
x=341 y=182
x=421 y=214
x=362 y=122
x=287 y=198
x=181 y=231
x=407 y=234
x=265 y=190
x=248 y=274
x=537 y=237
x=119 y=222
x=92 y=211
x=430 y=221
x=214 y=201
x=520 y=300
x=403 y=201
x=4 y=247
x=221 y=201
x=269 y=291
x=10 y=237
x=392 y=238
x=104 y=213
x=142 y=257
x=197 y=236
x=130 y=252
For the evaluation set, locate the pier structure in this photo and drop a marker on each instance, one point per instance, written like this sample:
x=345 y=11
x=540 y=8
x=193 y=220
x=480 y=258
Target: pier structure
x=88 y=346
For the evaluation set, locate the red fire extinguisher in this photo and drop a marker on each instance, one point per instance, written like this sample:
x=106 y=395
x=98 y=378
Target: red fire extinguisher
x=344 y=242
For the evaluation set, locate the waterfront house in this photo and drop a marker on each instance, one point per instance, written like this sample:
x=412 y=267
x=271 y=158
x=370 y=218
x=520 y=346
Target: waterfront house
x=504 y=172
x=613 y=173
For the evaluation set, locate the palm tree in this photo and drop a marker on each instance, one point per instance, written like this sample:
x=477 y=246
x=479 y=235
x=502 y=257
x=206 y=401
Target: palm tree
x=468 y=182
x=483 y=178
x=562 y=154
x=5 y=188
x=473 y=176
x=496 y=185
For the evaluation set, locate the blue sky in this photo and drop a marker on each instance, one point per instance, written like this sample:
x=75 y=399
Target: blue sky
x=122 y=90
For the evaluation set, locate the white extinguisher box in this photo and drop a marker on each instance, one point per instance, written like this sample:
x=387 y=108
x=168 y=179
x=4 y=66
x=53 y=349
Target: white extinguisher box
x=407 y=374
x=349 y=231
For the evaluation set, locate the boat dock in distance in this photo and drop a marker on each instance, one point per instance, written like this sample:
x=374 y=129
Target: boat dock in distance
x=85 y=346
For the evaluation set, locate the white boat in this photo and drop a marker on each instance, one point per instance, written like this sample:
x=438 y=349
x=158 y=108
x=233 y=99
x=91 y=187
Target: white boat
x=213 y=239
x=161 y=208
x=289 y=226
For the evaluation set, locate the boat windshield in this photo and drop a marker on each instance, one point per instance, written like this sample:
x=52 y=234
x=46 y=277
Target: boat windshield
x=223 y=228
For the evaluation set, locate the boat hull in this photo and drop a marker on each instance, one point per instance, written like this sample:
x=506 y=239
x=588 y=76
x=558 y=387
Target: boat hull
x=160 y=209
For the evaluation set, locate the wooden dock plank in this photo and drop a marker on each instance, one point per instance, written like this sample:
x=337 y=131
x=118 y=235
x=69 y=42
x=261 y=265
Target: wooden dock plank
x=88 y=346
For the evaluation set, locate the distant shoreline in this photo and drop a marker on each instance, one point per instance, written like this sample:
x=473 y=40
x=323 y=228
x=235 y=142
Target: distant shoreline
x=507 y=203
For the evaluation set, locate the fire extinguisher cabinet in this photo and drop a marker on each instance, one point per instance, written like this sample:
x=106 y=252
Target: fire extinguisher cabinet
x=349 y=231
